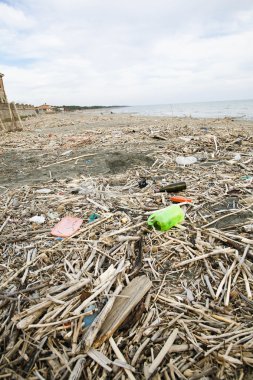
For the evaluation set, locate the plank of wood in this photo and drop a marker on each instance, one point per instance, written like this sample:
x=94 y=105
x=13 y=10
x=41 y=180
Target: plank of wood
x=124 y=304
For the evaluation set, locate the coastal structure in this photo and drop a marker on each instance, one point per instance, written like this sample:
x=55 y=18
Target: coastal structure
x=44 y=108
x=9 y=116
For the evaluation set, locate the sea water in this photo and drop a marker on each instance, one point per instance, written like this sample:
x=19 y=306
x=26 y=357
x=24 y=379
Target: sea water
x=238 y=109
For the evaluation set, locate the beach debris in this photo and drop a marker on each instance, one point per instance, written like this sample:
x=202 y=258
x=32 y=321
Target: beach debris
x=142 y=183
x=179 y=199
x=44 y=191
x=174 y=187
x=237 y=157
x=159 y=137
x=93 y=217
x=184 y=161
x=159 y=358
x=38 y=219
x=130 y=296
x=247 y=178
x=66 y=227
x=53 y=215
x=88 y=319
x=201 y=273
x=166 y=218
x=66 y=153
x=69 y=159
x=248 y=228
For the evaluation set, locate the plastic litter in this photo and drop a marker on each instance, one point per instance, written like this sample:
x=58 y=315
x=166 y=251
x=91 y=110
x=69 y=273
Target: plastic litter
x=44 y=191
x=178 y=199
x=248 y=228
x=88 y=319
x=247 y=178
x=166 y=218
x=67 y=153
x=93 y=217
x=66 y=227
x=181 y=160
x=237 y=157
x=39 y=219
x=174 y=187
x=87 y=188
x=142 y=183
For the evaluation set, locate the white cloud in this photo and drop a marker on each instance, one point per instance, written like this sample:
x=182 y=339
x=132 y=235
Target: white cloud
x=14 y=18
x=126 y=52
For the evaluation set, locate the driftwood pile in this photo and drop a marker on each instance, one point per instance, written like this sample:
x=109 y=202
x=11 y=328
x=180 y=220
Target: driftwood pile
x=167 y=305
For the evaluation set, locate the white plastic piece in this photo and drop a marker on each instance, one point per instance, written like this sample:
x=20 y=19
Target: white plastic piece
x=39 y=219
x=67 y=153
x=44 y=191
x=248 y=228
x=181 y=160
x=237 y=157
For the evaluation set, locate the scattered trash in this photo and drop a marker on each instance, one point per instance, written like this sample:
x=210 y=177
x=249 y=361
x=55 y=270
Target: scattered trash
x=53 y=215
x=247 y=178
x=142 y=183
x=39 y=219
x=48 y=284
x=66 y=227
x=93 y=217
x=174 y=187
x=88 y=319
x=186 y=138
x=67 y=153
x=87 y=187
x=178 y=199
x=180 y=160
x=166 y=218
x=189 y=295
x=237 y=157
x=158 y=137
x=44 y=191
x=248 y=228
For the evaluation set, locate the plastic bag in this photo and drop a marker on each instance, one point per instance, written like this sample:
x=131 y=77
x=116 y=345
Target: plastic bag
x=181 y=160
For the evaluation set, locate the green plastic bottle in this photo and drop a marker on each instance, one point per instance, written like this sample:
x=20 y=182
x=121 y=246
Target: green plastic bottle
x=167 y=218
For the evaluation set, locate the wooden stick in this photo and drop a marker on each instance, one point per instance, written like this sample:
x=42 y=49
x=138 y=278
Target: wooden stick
x=166 y=348
x=216 y=252
x=93 y=330
x=4 y=223
x=77 y=370
x=69 y=159
x=121 y=357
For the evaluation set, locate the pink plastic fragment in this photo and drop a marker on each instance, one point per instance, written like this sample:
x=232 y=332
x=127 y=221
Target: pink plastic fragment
x=66 y=227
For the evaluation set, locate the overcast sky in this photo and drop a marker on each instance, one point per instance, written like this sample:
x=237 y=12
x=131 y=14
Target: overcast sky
x=130 y=52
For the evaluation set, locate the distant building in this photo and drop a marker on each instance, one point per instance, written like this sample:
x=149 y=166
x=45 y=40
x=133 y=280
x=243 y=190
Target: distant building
x=45 y=108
